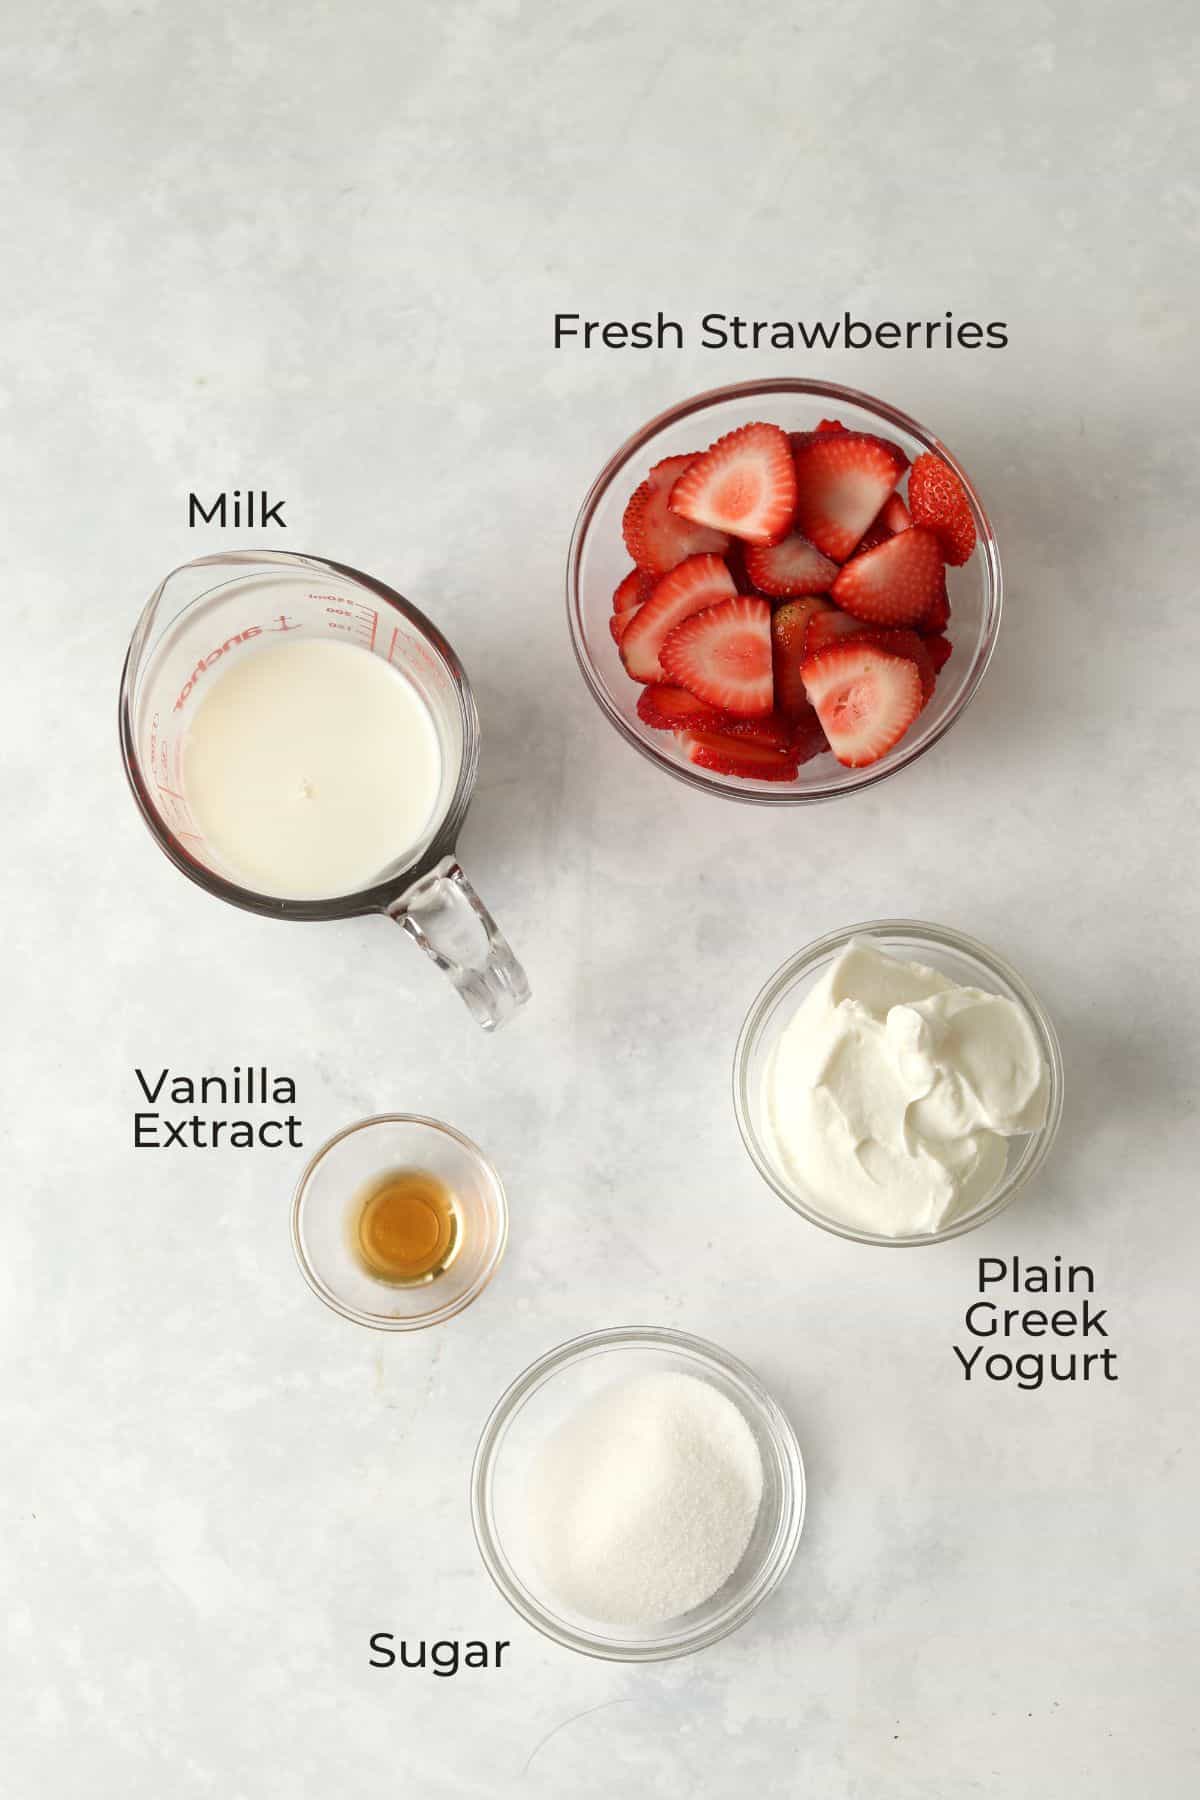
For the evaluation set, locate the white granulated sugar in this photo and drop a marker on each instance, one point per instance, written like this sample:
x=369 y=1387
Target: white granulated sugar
x=641 y=1505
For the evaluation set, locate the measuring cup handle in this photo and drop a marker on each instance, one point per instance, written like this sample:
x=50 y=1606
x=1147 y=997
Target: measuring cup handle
x=445 y=915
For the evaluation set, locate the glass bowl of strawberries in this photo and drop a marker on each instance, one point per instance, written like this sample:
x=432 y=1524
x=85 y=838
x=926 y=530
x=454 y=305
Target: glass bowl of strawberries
x=783 y=591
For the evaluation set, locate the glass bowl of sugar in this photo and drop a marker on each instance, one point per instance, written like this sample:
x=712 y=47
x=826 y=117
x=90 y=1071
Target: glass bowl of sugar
x=636 y=1494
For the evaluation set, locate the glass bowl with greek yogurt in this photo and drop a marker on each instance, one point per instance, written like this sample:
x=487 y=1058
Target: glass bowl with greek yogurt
x=598 y=559
x=997 y=1169
x=577 y=1508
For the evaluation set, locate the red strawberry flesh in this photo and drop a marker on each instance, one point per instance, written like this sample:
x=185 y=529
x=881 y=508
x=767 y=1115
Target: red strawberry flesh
x=792 y=567
x=789 y=632
x=825 y=627
x=865 y=697
x=727 y=755
x=697 y=582
x=842 y=481
x=630 y=592
x=894 y=584
x=723 y=656
x=667 y=708
x=938 y=500
x=619 y=622
x=657 y=539
x=744 y=484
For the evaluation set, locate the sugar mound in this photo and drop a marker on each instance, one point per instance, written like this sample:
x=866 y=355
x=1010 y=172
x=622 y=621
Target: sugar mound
x=641 y=1505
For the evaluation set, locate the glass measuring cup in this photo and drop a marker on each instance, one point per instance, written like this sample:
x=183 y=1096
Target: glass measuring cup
x=217 y=608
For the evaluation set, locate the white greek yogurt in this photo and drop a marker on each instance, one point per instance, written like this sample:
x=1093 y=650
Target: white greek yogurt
x=892 y=1090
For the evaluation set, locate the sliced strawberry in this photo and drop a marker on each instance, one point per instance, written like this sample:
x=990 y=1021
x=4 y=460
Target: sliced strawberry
x=735 y=562
x=723 y=655
x=655 y=537
x=792 y=566
x=619 y=622
x=940 y=650
x=726 y=755
x=842 y=481
x=893 y=518
x=865 y=698
x=699 y=581
x=876 y=533
x=938 y=616
x=798 y=439
x=938 y=500
x=630 y=592
x=789 y=630
x=894 y=584
x=895 y=514
x=808 y=736
x=744 y=484
x=667 y=708
x=772 y=728
x=902 y=642
x=826 y=627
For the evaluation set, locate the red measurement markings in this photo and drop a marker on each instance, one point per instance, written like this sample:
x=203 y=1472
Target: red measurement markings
x=353 y=618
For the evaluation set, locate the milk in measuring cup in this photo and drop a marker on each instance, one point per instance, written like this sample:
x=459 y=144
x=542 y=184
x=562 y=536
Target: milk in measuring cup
x=309 y=767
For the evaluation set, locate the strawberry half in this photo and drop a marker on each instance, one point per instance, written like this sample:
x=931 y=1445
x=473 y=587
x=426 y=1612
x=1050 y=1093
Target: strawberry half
x=792 y=566
x=726 y=755
x=723 y=655
x=894 y=584
x=658 y=539
x=699 y=581
x=744 y=484
x=938 y=500
x=635 y=588
x=789 y=631
x=667 y=708
x=842 y=481
x=865 y=697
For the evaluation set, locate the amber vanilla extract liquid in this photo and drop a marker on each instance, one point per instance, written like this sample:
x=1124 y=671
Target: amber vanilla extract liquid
x=406 y=1227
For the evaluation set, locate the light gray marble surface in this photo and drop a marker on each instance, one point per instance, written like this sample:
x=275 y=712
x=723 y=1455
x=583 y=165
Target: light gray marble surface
x=318 y=249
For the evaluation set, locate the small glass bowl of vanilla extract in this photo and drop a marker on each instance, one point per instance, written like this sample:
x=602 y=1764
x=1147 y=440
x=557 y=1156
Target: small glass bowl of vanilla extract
x=399 y=1222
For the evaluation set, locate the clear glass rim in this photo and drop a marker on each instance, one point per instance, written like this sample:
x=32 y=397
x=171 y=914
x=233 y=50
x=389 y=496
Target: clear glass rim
x=781 y=795
x=764 y=1409
x=385 y=1322
x=940 y=937
x=380 y=895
